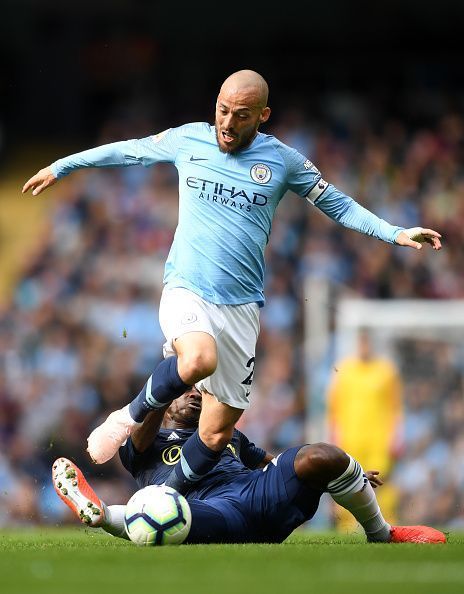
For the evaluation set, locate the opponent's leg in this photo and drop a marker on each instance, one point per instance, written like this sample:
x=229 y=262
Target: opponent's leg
x=353 y=491
x=332 y=470
x=74 y=490
x=209 y=524
x=203 y=449
x=114 y=521
x=196 y=359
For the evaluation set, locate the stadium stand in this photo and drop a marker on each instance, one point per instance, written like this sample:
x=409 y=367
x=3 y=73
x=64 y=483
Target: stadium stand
x=65 y=363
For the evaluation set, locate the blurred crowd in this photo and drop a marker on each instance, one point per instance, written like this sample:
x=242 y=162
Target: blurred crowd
x=429 y=474
x=81 y=333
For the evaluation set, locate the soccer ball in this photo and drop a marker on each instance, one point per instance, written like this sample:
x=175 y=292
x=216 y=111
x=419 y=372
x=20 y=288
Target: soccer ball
x=157 y=515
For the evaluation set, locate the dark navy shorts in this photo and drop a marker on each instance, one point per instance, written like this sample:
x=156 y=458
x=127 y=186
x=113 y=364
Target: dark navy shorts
x=265 y=505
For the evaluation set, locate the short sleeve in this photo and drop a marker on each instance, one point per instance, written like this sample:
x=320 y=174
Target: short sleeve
x=134 y=461
x=128 y=456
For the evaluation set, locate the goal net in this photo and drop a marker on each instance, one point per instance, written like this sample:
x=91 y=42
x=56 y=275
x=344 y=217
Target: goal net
x=425 y=341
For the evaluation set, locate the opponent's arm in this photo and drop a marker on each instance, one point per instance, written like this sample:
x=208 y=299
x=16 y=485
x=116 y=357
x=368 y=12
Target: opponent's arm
x=252 y=456
x=265 y=461
x=374 y=479
x=142 y=437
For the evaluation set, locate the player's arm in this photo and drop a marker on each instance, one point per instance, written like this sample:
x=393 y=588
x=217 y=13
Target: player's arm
x=116 y=154
x=343 y=209
x=142 y=437
x=40 y=181
x=125 y=153
x=265 y=461
x=252 y=456
x=305 y=179
x=374 y=478
x=416 y=236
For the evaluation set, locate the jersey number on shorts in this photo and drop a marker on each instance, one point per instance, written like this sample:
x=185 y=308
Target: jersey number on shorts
x=247 y=381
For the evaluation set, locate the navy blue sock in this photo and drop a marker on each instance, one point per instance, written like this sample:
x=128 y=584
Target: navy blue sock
x=162 y=387
x=196 y=460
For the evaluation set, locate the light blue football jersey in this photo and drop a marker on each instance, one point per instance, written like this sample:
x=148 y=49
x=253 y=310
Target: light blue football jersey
x=226 y=204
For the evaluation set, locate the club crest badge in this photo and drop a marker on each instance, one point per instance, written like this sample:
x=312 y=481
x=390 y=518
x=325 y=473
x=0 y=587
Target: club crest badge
x=188 y=318
x=260 y=173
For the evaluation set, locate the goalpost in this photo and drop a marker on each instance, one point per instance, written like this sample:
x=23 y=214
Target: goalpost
x=425 y=340
x=332 y=325
x=390 y=320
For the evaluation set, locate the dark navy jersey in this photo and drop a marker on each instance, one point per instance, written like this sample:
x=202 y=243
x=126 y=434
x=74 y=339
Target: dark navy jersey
x=153 y=466
x=233 y=502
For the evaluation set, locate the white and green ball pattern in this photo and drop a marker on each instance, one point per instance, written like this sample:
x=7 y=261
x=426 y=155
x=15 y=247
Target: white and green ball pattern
x=157 y=515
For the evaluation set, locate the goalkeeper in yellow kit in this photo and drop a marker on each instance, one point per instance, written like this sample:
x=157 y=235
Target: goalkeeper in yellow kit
x=365 y=414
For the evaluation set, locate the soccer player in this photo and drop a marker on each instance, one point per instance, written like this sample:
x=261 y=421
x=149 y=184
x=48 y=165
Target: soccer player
x=231 y=179
x=249 y=496
x=365 y=414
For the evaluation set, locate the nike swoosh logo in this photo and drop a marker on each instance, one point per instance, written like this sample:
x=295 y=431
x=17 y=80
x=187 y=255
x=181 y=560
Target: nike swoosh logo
x=197 y=159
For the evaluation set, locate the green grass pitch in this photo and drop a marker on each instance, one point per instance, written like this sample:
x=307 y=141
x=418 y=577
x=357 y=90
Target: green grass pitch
x=45 y=560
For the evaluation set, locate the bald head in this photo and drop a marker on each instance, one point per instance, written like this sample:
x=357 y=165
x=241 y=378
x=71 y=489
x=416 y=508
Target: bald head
x=249 y=82
x=241 y=108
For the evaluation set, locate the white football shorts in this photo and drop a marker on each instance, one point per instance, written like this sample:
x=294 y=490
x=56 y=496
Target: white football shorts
x=235 y=329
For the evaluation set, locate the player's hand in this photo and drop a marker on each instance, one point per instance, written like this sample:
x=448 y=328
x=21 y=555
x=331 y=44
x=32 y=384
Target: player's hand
x=416 y=236
x=41 y=180
x=373 y=478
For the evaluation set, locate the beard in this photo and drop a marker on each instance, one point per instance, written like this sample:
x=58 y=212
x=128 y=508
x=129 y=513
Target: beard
x=245 y=141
